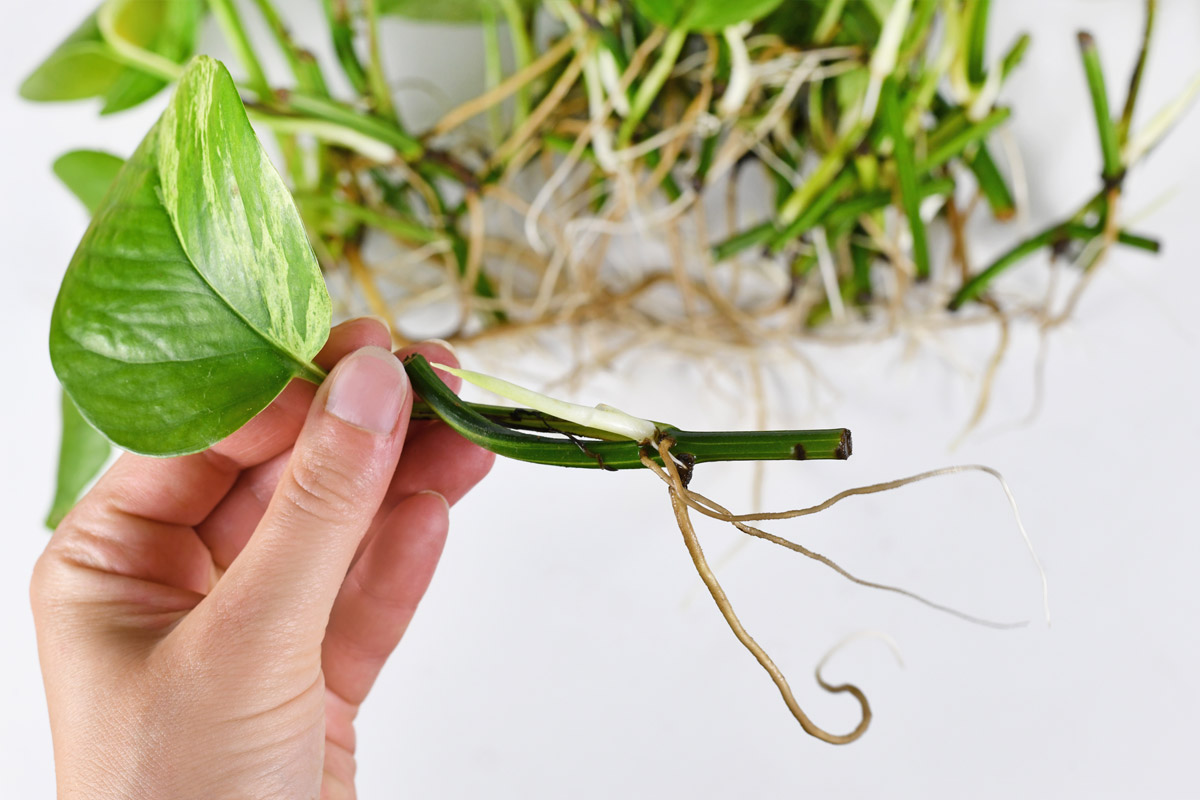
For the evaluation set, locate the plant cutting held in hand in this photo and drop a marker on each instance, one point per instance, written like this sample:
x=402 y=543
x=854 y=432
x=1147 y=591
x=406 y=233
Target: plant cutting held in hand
x=194 y=298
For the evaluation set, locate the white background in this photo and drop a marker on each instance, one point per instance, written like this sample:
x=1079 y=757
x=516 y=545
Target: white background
x=564 y=649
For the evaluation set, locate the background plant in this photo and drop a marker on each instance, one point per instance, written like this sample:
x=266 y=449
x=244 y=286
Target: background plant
x=850 y=109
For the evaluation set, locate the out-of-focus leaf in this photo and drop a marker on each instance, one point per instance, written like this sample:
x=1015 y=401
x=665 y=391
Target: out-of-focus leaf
x=704 y=16
x=88 y=174
x=455 y=12
x=81 y=454
x=85 y=65
x=82 y=450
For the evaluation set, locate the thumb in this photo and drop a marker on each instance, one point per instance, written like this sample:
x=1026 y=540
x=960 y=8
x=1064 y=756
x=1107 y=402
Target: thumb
x=285 y=580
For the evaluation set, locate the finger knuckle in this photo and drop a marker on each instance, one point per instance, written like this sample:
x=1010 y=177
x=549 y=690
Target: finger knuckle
x=75 y=548
x=324 y=488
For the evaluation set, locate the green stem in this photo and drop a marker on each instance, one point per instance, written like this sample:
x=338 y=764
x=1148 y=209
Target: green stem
x=839 y=214
x=483 y=284
x=992 y=183
x=977 y=42
x=327 y=131
x=760 y=234
x=825 y=171
x=376 y=74
x=1049 y=237
x=303 y=66
x=493 y=66
x=312 y=373
x=231 y=24
x=296 y=111
x=342 y=34
x=132 y=55
x=407 y=229
x=855 y=207
x=1139 y=69
x=368 y=125
x=956 y=143
x=827 y=25
x=522 y=54
x=1110 y=146
x=920 y=28
x=652 y=84
x=815 y=211
x=1014 y=55
x=472 y=422
x=906 y=175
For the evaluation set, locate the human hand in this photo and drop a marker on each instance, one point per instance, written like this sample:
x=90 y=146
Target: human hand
x=208 y=625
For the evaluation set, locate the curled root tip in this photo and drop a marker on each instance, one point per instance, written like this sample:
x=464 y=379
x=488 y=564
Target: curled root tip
x=859 y=730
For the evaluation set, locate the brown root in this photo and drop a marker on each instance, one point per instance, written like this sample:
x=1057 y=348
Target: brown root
x=678 y=492
x=684 y=500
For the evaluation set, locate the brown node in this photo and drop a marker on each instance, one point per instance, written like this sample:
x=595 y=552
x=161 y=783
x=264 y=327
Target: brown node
x=845 y=445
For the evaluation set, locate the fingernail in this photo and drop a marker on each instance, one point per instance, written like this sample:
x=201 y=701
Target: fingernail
x=368 y=389
x=384 y=321
x=444 y=344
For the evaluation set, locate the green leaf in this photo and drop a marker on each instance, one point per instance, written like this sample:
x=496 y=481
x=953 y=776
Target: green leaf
x=85 y=65
x=82 y=450
x=88 y=174
x=453 y=12
x=81 y=454
x=704 y=16
x=194 y=297
x=82 y=66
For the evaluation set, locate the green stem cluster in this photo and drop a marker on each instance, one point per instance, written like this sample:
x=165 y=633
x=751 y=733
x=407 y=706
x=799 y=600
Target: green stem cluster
x=899 y=119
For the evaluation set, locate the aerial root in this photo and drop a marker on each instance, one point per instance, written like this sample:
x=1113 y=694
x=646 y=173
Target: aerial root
x=684 y=500
x=678 y=491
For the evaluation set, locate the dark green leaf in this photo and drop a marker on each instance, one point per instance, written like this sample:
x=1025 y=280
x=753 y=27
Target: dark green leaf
x=88 y=174
x=454 y=12
x=81 y=454
x=84 y=65
x=194 y=297
x=704 y=16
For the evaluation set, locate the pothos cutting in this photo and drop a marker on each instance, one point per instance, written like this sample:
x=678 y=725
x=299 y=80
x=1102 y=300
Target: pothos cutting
x=194 y=298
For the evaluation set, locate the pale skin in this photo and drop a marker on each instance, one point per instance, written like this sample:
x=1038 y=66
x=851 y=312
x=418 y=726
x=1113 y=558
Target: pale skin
x=209 y=625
